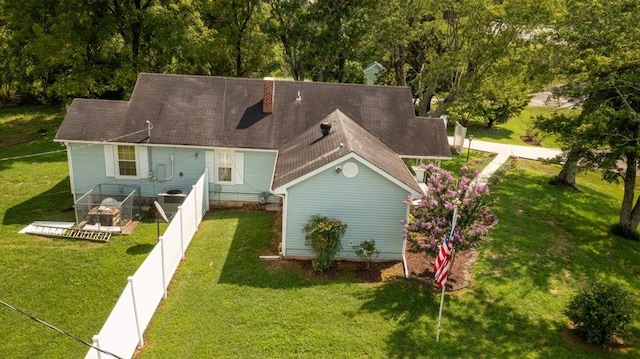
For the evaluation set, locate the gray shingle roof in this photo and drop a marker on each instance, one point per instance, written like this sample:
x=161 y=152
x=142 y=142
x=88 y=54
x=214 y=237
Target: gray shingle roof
x=312 y=150
x=227 y=112
x=375 y=122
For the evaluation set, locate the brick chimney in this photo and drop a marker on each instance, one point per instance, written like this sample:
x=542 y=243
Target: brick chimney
x=269 y=90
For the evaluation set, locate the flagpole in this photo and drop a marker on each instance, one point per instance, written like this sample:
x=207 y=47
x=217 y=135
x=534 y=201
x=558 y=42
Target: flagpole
x=453 y=226
x=440 y=314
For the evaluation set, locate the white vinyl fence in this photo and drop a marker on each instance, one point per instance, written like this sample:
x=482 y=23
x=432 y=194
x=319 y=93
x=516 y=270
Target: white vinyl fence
x=123 y=331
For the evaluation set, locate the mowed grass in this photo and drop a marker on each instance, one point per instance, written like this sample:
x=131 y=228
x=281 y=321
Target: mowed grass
x=511 y=131
x=68 y=283
x=549 y=242
x=224 y=302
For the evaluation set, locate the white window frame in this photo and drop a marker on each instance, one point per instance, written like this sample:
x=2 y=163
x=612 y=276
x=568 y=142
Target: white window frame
x=237 y=166
x=136 y=161
x=228 y=162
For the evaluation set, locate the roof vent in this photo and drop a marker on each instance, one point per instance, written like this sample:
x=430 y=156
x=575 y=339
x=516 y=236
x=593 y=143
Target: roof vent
x=299 y=97
x=325 y=127
x=268 y=94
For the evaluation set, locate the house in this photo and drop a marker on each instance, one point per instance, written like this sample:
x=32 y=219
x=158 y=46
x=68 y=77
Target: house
x=332 y=149
x=372 y=72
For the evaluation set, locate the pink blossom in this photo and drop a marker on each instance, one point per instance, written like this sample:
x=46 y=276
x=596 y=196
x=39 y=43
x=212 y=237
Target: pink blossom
x=431 y=215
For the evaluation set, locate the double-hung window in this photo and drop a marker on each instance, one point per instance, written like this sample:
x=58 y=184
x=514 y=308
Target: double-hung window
x=224 y=166
x=127 y=161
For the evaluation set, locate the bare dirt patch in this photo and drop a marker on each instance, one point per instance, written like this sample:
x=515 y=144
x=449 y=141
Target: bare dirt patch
x=572 y=336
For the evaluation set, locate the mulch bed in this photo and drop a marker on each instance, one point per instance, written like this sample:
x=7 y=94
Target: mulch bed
x=420 y=267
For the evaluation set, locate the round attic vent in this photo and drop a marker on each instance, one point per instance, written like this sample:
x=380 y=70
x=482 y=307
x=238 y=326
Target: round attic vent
x=350 y=169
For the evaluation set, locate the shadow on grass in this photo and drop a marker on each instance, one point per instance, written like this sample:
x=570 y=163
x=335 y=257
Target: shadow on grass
x=472 y=326
x=25 y=124
x=253 y=237
x=29 y=130
x=138 y=249
x=546 y=231
x=55 y=204
x=480 y=131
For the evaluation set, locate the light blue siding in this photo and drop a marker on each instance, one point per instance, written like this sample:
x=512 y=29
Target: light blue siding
x=258 y=170
x=88 y=163
x=370 y=205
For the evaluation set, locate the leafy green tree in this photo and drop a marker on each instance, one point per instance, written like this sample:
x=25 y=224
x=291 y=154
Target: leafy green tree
x=474 y=57
x=236 y=26
x=322 y=40
x=565 y=127
x=598 y=48
x=288 y=24
x=61 y=49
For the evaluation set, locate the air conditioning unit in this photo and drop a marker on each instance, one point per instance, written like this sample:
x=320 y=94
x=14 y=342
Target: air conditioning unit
x=170 y=201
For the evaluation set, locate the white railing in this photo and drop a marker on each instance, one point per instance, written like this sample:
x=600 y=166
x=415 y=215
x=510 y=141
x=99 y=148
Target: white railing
x=123 y=331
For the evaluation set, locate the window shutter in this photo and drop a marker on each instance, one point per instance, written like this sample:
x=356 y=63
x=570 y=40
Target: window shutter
x=209 y=159
x=109 y=161
x=239 y=167
x=143 y=160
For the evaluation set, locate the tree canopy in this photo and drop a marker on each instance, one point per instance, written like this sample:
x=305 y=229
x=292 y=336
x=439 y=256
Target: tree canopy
x=597 y=54
x=473 y=58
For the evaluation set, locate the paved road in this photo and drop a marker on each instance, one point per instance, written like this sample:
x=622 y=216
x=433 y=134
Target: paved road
x=544 y=99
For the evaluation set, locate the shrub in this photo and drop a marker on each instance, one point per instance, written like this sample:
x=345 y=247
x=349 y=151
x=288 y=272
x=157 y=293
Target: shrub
x=430 y=217
x=366 y=250
x=323 y=237
x=601 y=312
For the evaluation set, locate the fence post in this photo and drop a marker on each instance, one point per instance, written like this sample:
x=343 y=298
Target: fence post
x=205 y=185
x=181 y=231
x=135 y=313
x=195 y=209
x=96 y=343
x=164 y=280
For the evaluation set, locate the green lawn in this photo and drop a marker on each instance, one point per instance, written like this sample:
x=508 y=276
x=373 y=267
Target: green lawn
x=70 y=284
x=224 y=302
x=510 y=132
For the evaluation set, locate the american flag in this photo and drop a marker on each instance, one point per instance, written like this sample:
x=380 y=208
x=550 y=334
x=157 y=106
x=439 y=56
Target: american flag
x=441 y=266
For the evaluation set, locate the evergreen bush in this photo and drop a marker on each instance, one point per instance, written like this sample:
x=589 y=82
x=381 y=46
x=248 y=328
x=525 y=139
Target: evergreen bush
x=323 y=237
x=601 y=312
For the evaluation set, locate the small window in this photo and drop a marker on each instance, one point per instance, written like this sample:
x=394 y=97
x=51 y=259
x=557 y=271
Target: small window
x=127 y=161
x=224 y=167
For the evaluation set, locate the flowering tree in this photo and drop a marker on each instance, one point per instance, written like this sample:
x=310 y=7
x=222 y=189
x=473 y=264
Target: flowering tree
x=430 y=216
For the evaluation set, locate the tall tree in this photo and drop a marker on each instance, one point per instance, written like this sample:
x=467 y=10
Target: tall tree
x=60 y=49
x=237 y=27
x=598 y=44
x=288 y=24
x=474 y=55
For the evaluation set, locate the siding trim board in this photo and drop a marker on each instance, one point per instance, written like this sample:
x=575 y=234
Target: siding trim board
x=71 y=173
x=208 y=148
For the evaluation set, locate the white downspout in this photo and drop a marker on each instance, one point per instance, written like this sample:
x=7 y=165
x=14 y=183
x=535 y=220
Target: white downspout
x=404 y=246
x=173 y=161
x=284 y=223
